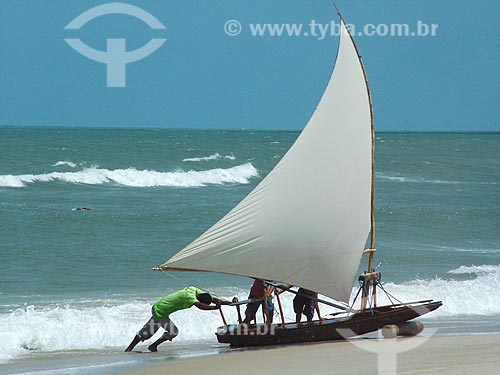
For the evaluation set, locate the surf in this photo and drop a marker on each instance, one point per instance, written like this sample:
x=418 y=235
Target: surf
x=240 y=174
x=101 y=324
x=215 y=156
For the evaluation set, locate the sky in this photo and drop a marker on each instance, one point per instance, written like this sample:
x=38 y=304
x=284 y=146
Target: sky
x=201 y=77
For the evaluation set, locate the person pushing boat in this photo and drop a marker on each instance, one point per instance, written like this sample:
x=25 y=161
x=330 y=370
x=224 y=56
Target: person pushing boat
x=161 y=310
x=261 y=293
x=305 y=302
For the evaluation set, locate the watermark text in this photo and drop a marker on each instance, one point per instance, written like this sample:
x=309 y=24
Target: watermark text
x=320 y=31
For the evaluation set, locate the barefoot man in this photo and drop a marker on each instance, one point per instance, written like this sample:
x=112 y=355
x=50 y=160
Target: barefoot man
x=183 y=299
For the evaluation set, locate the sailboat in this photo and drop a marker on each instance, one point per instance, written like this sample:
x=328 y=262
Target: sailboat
x=307 y=222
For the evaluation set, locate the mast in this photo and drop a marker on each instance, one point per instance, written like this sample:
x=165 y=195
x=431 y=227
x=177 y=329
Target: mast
x=368 y=281
x=372 y=215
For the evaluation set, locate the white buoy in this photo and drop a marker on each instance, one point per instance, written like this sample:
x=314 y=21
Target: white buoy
x=390 y=331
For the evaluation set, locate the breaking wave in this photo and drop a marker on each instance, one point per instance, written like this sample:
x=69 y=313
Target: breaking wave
x=82 y=327
x=215 y=156
x=475 y=297
x=64 y=163
x=240 y=174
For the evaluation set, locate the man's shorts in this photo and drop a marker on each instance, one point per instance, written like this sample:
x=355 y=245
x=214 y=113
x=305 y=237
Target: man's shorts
x=154 y=323
x=303 y=305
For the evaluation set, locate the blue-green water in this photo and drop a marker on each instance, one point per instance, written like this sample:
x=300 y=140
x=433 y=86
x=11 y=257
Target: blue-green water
x=82 y=280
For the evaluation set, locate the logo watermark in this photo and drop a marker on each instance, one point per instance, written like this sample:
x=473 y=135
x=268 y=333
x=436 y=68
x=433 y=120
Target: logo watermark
x=232 y=28
x=387 y=349
x=248 y=330
x=321 y=31
x=116 y=57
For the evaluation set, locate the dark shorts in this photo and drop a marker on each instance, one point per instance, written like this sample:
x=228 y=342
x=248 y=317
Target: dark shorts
x=154 y=323
x=303 y=305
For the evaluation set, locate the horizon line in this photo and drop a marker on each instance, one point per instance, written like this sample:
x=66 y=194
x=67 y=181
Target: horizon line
x=457 y=131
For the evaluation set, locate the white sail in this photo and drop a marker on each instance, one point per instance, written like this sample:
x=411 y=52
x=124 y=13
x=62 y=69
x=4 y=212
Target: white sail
x=307 y=222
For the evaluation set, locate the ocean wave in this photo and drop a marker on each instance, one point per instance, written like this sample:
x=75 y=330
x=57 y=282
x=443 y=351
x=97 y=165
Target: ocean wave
x=478 y=270
x=486 y=250
x=420 y=180
x=215 y=156
x=240 y=174
x=83 y=327
x=474 y=297
x=61 y=163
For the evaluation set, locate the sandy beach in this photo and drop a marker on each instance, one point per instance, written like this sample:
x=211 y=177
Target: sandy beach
x=446 y=355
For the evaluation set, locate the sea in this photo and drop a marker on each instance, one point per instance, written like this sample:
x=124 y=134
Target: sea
x=76 y=285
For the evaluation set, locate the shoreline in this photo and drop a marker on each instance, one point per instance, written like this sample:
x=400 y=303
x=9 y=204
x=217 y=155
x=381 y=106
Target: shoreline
x=444 y=355
x=469 y=353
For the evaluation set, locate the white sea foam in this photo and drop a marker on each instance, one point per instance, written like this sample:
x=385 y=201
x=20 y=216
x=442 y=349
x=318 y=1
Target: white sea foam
x=69 y=327
x=420 y=180
x=478 y=270
x=61 y=163
x=240 y=174
x=215 y=156
x=479 y=296
x=486 y=250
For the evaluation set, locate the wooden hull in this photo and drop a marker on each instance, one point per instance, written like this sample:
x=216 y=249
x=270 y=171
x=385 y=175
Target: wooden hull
x=352 y=325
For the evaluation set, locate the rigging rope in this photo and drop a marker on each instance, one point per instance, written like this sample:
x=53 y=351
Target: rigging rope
x=389 y=295
x=165 y=273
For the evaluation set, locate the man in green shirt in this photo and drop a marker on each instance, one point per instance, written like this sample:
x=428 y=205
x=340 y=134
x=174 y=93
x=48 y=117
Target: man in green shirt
x=183 y=299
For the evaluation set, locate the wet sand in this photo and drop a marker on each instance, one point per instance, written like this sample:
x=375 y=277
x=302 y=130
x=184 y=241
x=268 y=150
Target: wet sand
x=446 y=355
